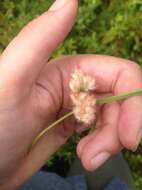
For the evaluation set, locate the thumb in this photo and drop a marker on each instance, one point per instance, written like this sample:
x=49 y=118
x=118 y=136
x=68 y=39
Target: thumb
x=26 y=55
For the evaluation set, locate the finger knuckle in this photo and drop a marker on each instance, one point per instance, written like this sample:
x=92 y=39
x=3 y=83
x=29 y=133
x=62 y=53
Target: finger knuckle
x=134 y=67
x=28 y=27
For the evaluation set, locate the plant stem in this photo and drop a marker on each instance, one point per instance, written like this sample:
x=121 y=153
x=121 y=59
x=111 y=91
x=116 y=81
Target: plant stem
x=110 y=99
x=100 y=101
x=50 y=127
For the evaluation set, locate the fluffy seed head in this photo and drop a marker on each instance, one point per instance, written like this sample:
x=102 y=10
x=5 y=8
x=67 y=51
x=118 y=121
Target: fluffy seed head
x=81 y=83
x=84 y=111
x=83 y=102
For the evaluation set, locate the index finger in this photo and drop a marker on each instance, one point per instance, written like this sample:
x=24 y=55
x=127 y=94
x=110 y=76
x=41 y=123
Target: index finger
x=116 y=76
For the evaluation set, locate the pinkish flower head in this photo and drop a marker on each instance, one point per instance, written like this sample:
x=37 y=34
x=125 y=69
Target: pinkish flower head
x=81 y=83
x=83 y=102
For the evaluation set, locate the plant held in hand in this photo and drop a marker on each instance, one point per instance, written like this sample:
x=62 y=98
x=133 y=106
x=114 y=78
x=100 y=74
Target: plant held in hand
x=84 y=101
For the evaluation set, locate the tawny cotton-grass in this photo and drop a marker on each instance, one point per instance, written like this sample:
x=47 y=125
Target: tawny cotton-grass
x=83 y=101
x=81 y=82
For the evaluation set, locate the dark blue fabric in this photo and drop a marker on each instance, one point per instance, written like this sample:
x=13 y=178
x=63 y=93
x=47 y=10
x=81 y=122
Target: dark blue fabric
x=117 y=184
x=51 y=181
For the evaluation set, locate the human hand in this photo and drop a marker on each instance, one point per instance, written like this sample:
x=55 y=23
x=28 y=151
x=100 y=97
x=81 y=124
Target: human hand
x=31 y=95
x=34 y=93
x=118 y=124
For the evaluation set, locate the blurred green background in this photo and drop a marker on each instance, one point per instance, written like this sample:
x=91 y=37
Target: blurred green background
x=112 y=27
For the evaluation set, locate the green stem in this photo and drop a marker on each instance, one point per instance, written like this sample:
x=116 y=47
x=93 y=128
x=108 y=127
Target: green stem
x=100 y=101
x=50 y=127
x=110 y=99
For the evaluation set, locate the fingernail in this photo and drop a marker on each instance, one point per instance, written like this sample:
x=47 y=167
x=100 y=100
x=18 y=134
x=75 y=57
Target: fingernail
x=100 y=159
x=57 y=5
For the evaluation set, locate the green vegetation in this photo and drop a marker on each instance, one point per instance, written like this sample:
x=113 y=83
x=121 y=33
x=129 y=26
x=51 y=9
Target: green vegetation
x=110 y=27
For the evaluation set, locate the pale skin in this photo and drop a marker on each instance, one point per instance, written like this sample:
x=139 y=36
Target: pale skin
x=34 y=93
